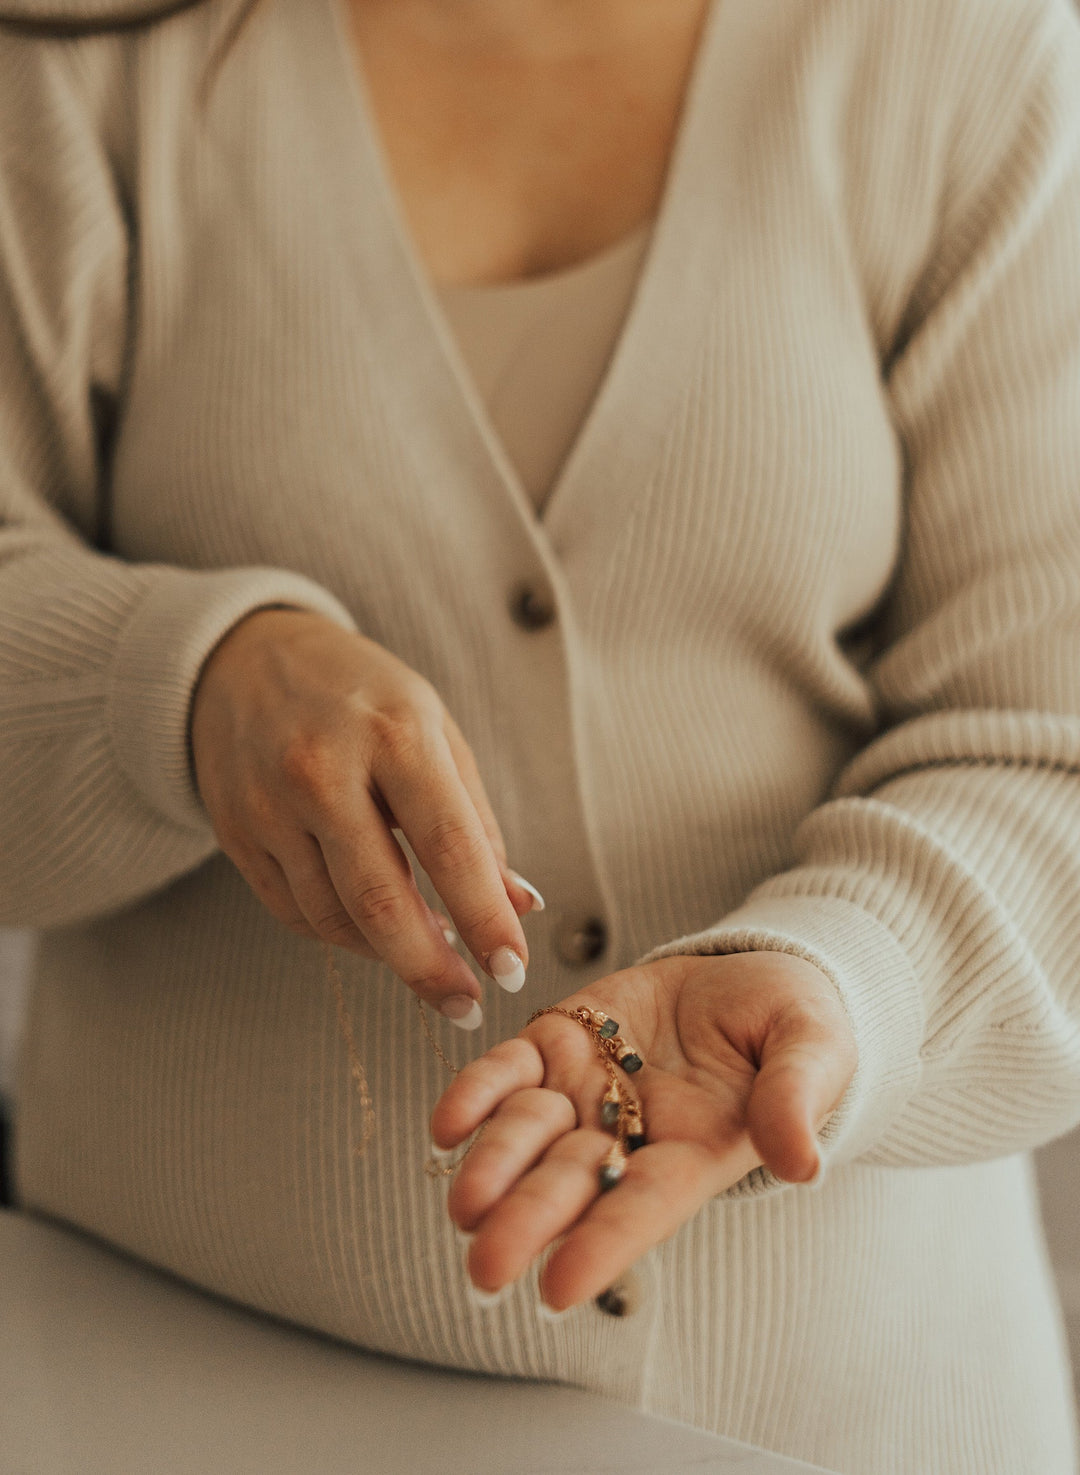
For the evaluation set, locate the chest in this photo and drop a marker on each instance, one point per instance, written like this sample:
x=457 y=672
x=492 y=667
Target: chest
x=524 y=151
x=291 y=361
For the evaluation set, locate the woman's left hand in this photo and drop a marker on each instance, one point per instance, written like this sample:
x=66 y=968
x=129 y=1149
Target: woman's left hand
x=746 y=1056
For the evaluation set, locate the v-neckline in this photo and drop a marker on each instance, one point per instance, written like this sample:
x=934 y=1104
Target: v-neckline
x=625 y=416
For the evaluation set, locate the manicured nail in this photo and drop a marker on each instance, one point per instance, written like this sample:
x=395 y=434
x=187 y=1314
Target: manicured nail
x=548 y=1313
x=463 y=1236
x=538 y=901
x=447 y=928
x=507 y=969
x=817 y=1177
x=487 y=1299
x=442 y=1154
x=462 y=1011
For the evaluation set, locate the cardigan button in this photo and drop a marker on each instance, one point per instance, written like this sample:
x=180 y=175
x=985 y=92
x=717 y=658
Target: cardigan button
x=531 y=608
x=582 y=942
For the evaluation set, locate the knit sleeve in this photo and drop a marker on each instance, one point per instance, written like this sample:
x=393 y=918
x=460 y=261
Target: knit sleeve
x=98 y=657
x=939 y=887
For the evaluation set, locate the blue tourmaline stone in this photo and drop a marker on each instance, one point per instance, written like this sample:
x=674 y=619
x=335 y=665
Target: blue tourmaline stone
x=609 y=1113
x=630 y=1063
x=608 y=1028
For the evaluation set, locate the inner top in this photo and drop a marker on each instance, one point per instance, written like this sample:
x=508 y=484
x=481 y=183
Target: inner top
x=537 y=350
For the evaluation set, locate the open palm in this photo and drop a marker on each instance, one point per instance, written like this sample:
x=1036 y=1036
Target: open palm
x=746 y=1055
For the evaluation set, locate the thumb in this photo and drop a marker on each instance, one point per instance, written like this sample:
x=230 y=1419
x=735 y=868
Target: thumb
x=798 y=1085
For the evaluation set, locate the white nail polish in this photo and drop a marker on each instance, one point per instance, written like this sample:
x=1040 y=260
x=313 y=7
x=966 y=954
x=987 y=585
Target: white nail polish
x=451 y=936
x=507 y=969
x=487 y=1299
x=462 y=1011
x=442 y=1154
x=548 y=1313
x=463 y=1236
x=538 y=901
x=819 y=1173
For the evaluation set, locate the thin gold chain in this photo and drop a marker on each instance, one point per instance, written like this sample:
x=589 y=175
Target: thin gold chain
x=356 y=1067
x=432 y=1041
x=433 y=1168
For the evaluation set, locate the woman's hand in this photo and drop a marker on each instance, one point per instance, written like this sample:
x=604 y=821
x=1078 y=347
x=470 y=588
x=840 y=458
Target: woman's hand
x=746 y=1055
x=310 y=745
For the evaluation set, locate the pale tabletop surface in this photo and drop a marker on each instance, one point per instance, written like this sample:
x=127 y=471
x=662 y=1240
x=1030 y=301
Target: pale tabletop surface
x=109 y=1368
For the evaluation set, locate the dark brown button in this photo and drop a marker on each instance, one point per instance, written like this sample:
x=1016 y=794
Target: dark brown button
x=530 y=607
x=581 y=942
x=623 y=1297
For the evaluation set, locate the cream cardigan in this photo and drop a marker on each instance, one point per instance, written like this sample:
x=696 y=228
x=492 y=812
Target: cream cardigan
x=537 y=351
x=813 y=681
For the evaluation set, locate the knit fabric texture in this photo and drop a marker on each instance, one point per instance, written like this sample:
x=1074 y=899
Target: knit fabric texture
x=813 y=682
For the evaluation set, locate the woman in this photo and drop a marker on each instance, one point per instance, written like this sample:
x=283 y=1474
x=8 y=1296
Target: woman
x=761 y=643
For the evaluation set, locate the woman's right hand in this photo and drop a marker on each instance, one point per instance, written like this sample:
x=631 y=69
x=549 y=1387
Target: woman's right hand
x=310 y=745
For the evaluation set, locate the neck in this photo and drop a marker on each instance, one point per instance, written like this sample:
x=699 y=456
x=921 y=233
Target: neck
x=527 y=28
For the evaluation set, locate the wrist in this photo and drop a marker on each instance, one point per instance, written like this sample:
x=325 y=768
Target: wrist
x=234 y=651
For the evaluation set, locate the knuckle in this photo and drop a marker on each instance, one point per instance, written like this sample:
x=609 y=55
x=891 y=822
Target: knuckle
x=451 y=842
x=540 y=1106
x=307 y=764
x=487 y=920
x=510 y=1062
x=400 y=732
x=379 y=905
x=261 y=811
x=433 y=983
x=337 y=927
x=425 y=701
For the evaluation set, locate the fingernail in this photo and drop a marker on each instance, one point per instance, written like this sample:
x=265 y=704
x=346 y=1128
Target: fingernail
x=462 y=1011
x=538 y=900
x=463 y=1236
x=442 y=1154
x=548 y=1313
x=817 y=1177
x=507 y=969
x=447 y=929
x=487 y=1299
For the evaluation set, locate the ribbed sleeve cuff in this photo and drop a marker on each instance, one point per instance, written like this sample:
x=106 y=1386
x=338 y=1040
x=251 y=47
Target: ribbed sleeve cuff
x=878 y=989
x=161 y=650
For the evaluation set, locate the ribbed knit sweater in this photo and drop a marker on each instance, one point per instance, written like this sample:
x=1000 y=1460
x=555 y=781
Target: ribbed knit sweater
x=813 y=682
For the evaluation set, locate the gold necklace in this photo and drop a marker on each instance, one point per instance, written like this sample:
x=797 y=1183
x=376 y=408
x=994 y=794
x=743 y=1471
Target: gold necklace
x=433 y=1167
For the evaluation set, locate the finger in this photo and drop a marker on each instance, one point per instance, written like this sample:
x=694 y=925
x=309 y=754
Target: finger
x=541 y=1207
x=807 y=1064
x=268 y=881
x=301 y=862
x=374 y=883
x=517 y=1135
x=309 y=881
x=553 y=1052
x=525 y=897
x=479 y=1087
x=662 y=1187
x=469 y=774
x=418 y=777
